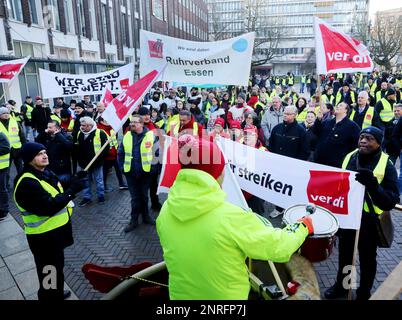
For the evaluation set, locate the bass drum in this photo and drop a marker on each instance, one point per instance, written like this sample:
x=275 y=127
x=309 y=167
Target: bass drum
x=298 y=270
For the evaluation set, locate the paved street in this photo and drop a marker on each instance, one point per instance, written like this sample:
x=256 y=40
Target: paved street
x=99 y=239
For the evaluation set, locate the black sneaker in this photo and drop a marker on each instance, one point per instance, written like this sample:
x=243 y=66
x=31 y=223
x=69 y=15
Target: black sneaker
x=84 y=202
x=131 y=226
x=123 y=187
x=335 y=292
x=149 y=221
x=101 y=200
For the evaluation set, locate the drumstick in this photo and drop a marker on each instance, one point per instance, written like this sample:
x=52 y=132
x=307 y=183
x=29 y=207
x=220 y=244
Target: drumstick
x=277 y=278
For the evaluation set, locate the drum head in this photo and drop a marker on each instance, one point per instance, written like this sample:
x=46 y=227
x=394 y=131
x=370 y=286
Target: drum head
x=324 y=222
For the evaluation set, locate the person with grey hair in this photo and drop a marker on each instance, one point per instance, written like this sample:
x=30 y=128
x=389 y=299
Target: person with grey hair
x=88 y=143
x=364 y=115
x=272 y=117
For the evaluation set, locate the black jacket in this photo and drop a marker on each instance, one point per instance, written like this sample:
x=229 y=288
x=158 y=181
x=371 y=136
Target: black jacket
x=4 y=144
x=33 y=198
x=359 y=118
x=289 y=140
x=335 y=140
x=40 y=118
x=59 y=150
x=386 y=194
x=85 y=149
x=77 y=123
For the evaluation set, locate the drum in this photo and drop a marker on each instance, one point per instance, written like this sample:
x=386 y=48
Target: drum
x=317 y=247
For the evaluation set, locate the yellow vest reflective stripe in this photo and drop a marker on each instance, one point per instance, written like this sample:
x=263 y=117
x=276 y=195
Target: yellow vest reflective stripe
x=113 y=141
x=4 y=161
x=172 y=121
x=34 y=224
x=368 y=118
x=339 y=75
x=145 y=150
x=160 y=124
x=339 y=97
x=324 y=98
x=177 y=128
x=379 y=173
x=97 y=140
x=12 y=133
x=71 y=125
x=372 y=88
x=308 y=80
x=277 y=81
x=55 y=118
x=386 y=113
x=291 y=81
x=378 y=95
x=303 y=79
x=29 y=112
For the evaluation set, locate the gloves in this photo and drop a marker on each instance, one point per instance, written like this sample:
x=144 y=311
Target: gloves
x=76 y=185
x=366 y=178
x=308 y=222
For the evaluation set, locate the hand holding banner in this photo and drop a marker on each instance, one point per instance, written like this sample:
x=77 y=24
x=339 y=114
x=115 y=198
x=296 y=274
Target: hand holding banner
x=338 y=52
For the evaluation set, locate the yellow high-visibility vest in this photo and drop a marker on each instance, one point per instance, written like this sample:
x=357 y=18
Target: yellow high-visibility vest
x=379 y=173
x=12 y=133
x=386 y=113
x=368 y=118
x=145 y=150
x=38 y=224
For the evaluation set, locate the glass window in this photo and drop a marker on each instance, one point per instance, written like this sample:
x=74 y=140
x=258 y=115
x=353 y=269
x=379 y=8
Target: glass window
x=81 y=17
x=157 y=9
x=15 y=9
x=54 y=12
x=33 y=12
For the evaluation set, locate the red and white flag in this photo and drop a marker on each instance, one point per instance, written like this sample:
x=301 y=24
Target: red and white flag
x=121 y=107
x=107 y=97
x=338 y=52
x=10 y=69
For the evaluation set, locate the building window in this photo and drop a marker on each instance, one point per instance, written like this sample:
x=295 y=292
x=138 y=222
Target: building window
x=81 y=18
x=68 y=9
x=15 y=9
x=33 y=11
x=54 y=14
x=110 y=57
x=89 y=55
x=157 y=9
x=105 y=27
x=123 y=28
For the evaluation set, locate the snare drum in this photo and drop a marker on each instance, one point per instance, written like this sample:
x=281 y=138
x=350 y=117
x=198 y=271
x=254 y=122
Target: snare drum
x=317 y=247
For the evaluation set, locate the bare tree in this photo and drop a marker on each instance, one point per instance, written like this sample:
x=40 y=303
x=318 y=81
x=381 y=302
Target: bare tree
x=268 y=32
x=386 y=40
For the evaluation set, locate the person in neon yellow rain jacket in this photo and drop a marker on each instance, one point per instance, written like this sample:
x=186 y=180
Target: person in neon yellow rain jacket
x=206 y=240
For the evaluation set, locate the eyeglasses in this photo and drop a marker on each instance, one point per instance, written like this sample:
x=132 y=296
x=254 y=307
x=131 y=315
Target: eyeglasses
x=289 y=114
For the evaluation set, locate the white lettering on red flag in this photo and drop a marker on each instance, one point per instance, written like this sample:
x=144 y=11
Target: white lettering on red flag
x=338 y=52
x=10 y=69
x=121 y=107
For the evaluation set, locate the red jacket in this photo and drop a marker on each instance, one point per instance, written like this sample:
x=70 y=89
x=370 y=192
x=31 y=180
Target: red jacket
x=112 y=155
x=189 y=127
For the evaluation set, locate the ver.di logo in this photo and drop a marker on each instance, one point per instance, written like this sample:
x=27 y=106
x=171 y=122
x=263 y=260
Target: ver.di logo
x=240 y=45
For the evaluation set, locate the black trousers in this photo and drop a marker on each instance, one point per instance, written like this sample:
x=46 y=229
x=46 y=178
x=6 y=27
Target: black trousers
x=154 y=185
x=367 y=247
x=139 y=189
x=108 y=164
x=49 y=267
x=256 y=204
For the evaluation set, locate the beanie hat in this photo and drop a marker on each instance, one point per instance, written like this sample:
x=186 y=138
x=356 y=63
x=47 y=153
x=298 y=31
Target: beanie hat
x=242 y=95
x=38 y=98
x=30 y=150
x=375 y=132
x=200 y=154
x=4 y=110
x=235 y=125
x=65 y=114
x=80 y=105
x=390 y=92
x=73 y=101
x=220 y=121
x=143 y=111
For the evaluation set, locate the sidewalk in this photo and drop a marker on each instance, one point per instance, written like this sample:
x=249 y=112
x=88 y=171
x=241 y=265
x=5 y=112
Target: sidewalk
x=18 y=278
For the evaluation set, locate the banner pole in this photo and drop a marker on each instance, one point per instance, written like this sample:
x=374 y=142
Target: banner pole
x=277 y=278
x=353 y=272
x=99 y=152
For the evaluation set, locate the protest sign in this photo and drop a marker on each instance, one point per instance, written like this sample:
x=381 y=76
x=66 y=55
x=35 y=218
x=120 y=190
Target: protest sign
x=107 y=97
x=226 y=62
x=63 y=85
x=10 y=69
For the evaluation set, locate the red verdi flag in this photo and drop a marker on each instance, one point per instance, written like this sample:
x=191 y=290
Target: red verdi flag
x=338 y=52
x=121 y=107
x=107 y=97
x=10 y=69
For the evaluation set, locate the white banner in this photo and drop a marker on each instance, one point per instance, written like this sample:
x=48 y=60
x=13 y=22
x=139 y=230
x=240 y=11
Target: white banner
x=226 y=62
x=63 y=85
x=285 y=182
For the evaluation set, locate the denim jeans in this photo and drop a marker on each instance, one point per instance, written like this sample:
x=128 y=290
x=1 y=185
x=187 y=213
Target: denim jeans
x=97 y=175
x=400 y=173
x=30 y=134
